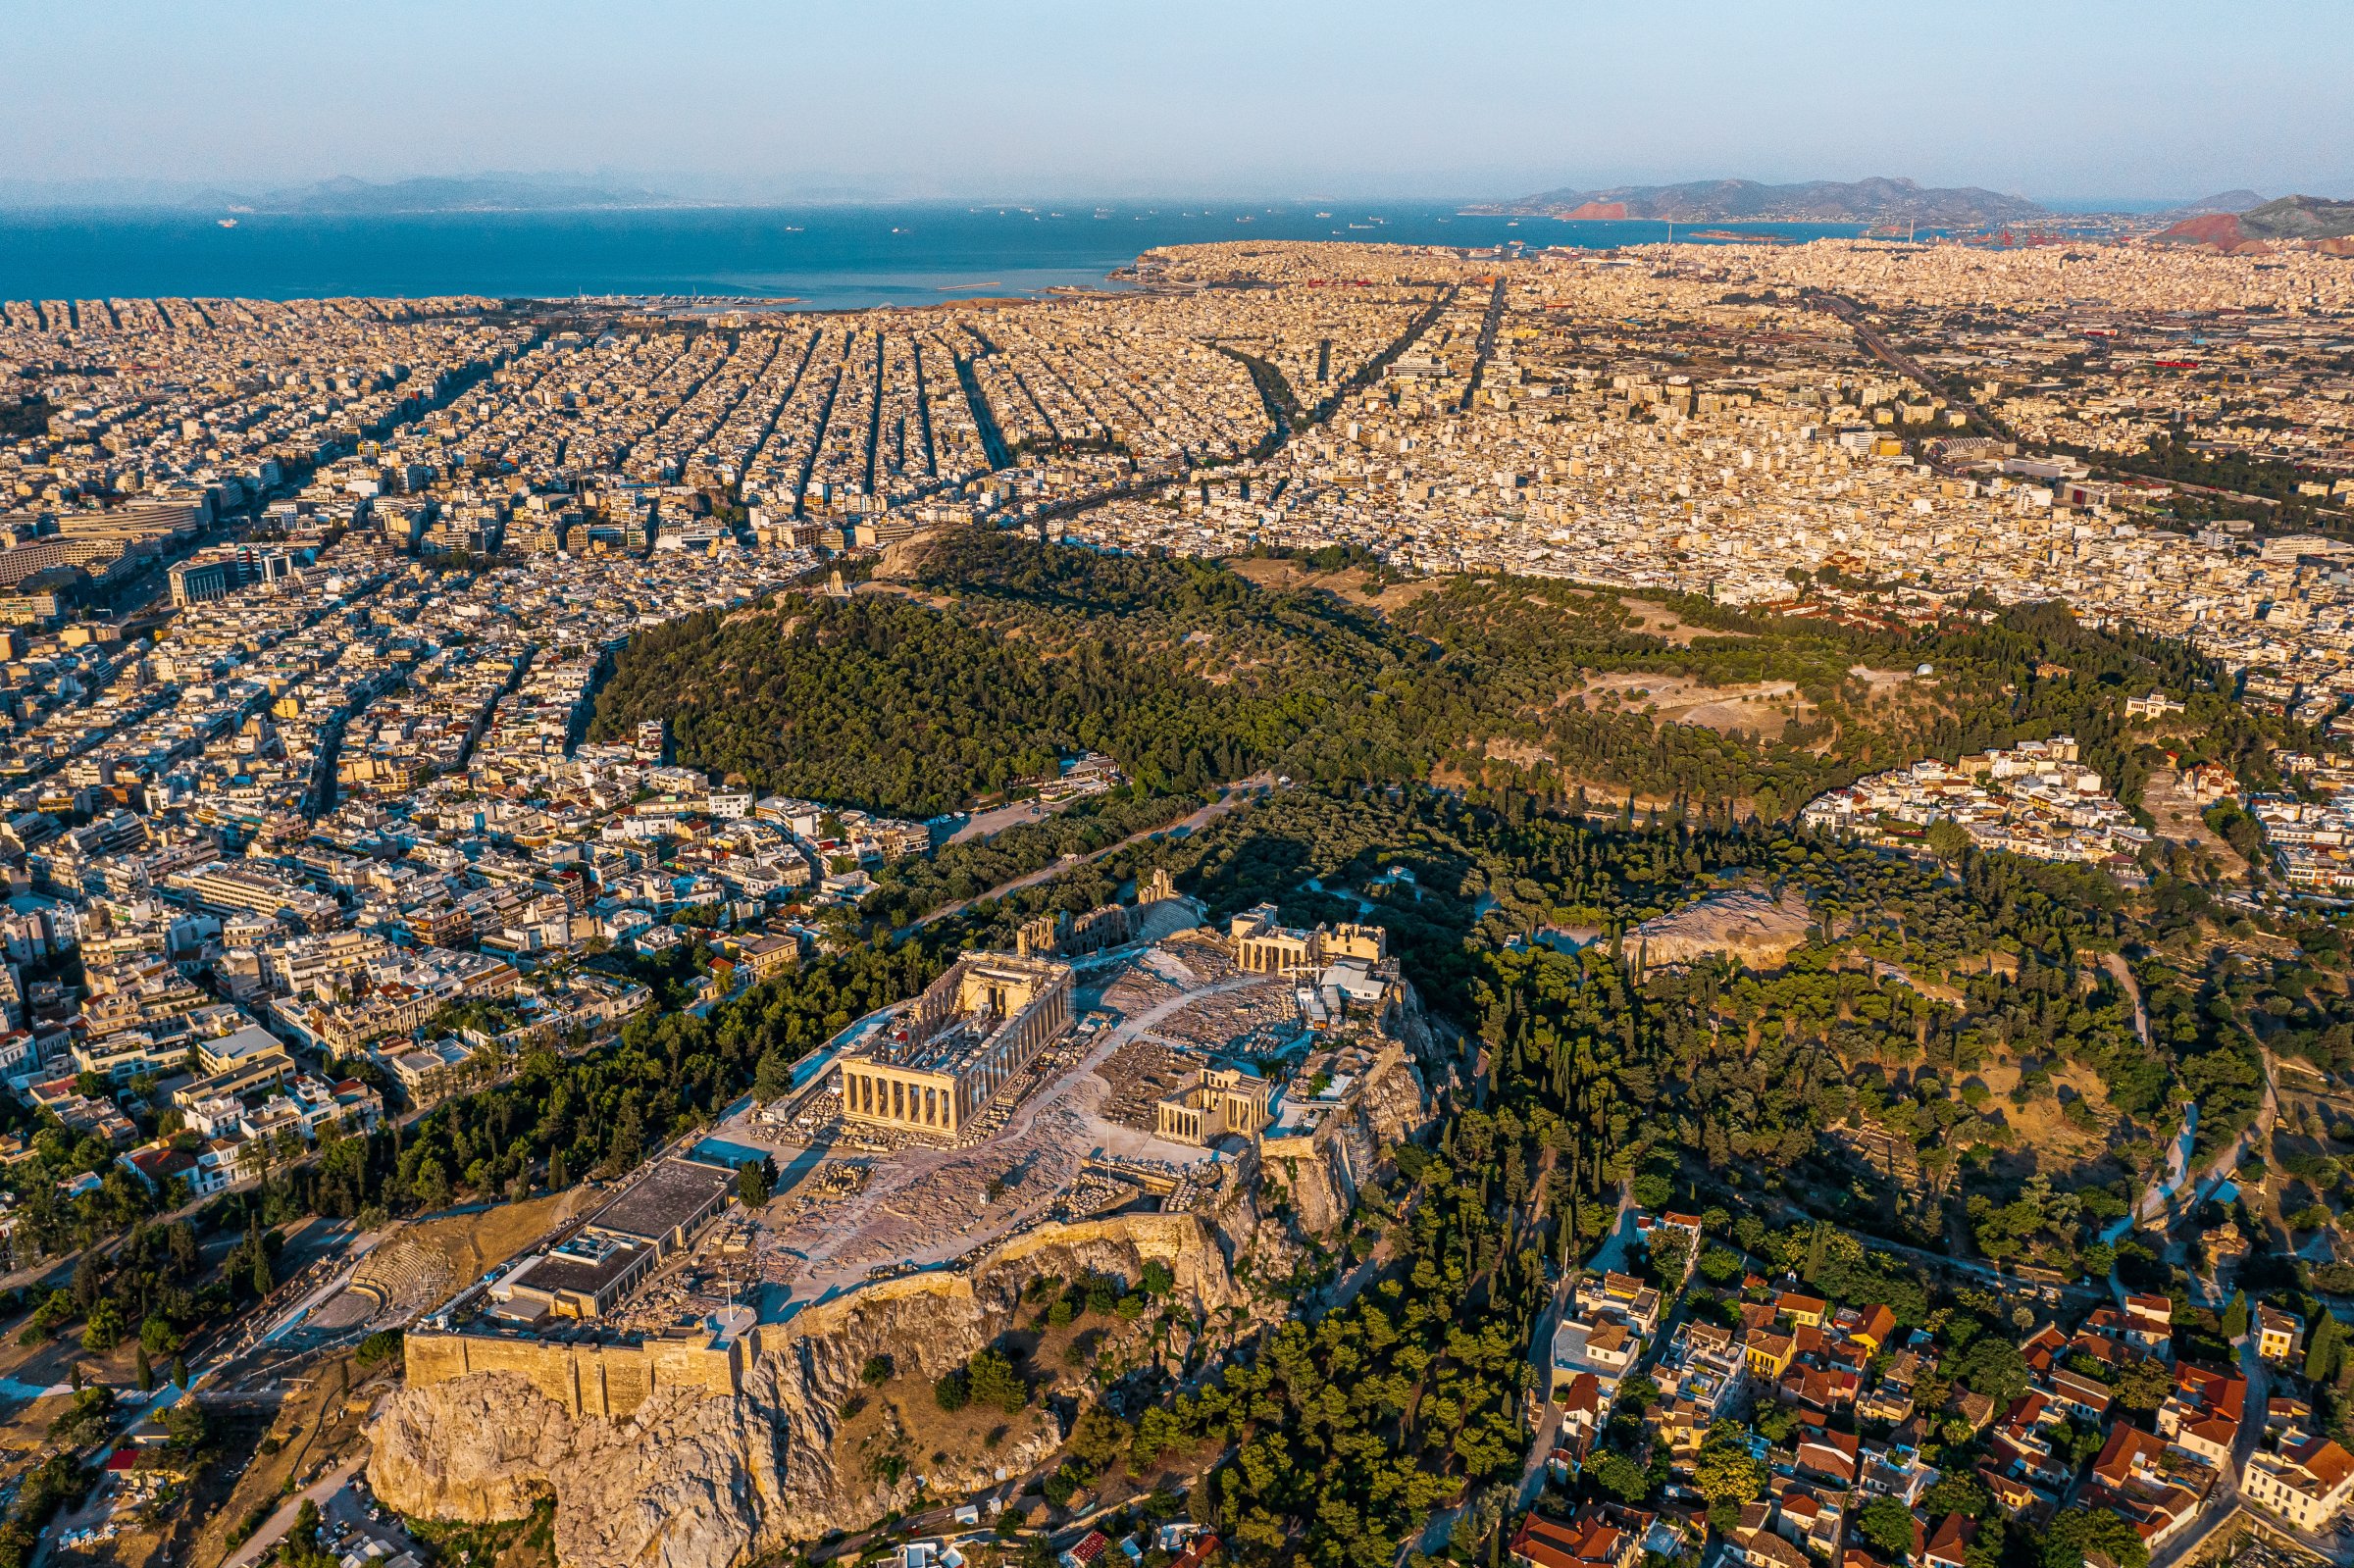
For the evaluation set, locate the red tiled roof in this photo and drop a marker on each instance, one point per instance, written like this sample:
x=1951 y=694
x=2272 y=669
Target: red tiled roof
x=2324 y=1460
x=1197 y=1552
x=1579 y=1545
x=2125 y=1443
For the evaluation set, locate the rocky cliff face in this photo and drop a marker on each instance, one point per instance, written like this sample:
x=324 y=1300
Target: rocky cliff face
x=1390 y=1104
x=690 y=1479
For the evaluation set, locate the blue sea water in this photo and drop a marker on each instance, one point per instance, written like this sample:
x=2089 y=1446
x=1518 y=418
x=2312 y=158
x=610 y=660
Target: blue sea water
x=824 y=257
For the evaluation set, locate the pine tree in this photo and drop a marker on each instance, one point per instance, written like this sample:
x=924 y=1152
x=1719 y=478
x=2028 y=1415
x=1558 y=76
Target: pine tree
x=2235 y=1317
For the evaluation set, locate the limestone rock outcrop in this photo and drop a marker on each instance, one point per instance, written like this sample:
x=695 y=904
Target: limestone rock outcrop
x=695 y=1479
x=1322 y=1185
x=1746 y=923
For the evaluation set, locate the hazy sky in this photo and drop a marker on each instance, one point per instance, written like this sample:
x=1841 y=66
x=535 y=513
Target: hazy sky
x=2054 y=99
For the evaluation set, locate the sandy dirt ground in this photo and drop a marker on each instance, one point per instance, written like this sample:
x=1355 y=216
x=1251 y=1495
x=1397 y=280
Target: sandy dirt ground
x=424 y=1262
x=2177 y=817
x=1349 y=584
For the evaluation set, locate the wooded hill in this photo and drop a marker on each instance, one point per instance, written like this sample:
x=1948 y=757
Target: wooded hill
x=997 y=654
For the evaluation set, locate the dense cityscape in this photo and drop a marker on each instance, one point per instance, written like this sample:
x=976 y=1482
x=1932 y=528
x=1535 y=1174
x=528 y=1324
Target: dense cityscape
x=1341 y=902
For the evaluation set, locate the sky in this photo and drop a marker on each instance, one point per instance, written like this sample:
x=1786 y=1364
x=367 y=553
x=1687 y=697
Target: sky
x=2059 y=99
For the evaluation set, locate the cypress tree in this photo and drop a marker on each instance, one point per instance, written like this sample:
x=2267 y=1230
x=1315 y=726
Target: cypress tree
x=2321 y=1351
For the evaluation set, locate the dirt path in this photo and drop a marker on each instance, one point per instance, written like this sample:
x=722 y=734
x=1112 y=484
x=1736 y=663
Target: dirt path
x=1237 y=793
x=2115 y=964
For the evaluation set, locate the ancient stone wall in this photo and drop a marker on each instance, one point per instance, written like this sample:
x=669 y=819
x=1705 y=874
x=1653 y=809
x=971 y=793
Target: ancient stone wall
x=678 y=1456
x=612 y=1381
x=594 y=1379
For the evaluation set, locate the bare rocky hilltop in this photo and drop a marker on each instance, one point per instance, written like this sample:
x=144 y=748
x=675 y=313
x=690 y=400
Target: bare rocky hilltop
x=2312 y=222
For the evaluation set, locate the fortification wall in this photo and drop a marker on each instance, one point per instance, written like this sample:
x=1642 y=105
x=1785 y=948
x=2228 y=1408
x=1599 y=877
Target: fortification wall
x=595 y=1380
x=612 y=1381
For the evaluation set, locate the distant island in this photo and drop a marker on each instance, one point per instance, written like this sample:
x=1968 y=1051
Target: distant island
x=488 y=193
x=2228 y=201
x=1817 y=201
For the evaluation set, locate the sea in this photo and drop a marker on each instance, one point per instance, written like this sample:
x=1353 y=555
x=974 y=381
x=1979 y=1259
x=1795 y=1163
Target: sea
x=820 y=258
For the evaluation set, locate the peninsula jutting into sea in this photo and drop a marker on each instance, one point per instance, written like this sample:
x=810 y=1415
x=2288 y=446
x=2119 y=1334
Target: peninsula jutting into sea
x=1653 y=874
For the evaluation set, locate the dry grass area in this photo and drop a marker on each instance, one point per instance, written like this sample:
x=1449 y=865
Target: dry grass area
x=50 y=1362
x=1602 y=795
x=23 y=1435
x=1762 y=707
x=2310 y=1103
x=161 y=1533
x=2044 y=1137
x=1936 y=991
x=527 y=1552
x=1658 y=621
x=914 y=594
x=2316 y=1116
x=1519 y=753
x=899 y=1419
x=905 y=558
x=902 y=1419
x=25 y=1417
x=1350 y=582
x=320 y=1423
x=1062 y=1356
x=429 y=1258
x=786 y=621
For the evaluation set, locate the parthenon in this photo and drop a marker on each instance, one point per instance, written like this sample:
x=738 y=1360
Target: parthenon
x=973 y=1029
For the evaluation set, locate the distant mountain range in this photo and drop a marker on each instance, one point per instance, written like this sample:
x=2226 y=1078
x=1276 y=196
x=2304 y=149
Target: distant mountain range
x=1817 y=201
x=2230 y=201
x=2304 y=220
x=485 y=193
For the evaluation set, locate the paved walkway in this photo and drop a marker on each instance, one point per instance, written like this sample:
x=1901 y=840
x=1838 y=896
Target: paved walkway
x=1237 y=793
x=273 y=1529
x=2224 y=1502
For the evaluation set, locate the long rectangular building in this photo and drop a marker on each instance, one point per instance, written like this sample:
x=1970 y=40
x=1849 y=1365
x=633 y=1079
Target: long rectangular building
x=589 y=1273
